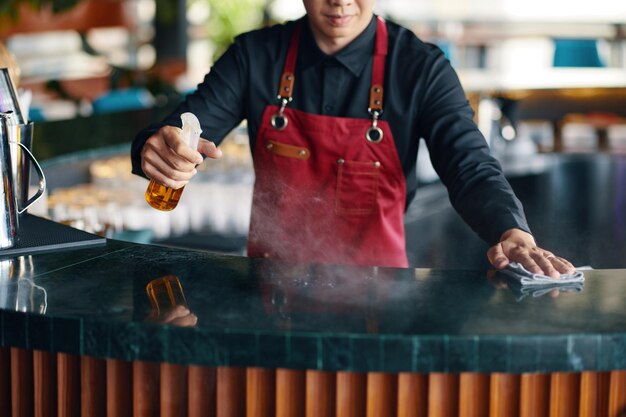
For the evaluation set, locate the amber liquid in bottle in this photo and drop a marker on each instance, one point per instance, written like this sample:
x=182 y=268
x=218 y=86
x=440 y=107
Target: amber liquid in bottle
x=161 y=197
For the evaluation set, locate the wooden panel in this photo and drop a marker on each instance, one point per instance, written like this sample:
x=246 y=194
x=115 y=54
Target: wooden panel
x=382 y=394
x=350 y=394
x=21 y=383
x=564 y=394
x=412 y=395
x=320 y=393
x=504 y=393
x=44 y=383
x=119 y=388
x=290 y=393
x=594 y=394
x=231 y=392
x=535 y=395
x=92 y=387
x=260 y=392
x=473 y=394
x=202 y=390
x=173 y=390
x=617 y=394
x=68 y=381
x=443 y=395
x=145 y=389
x=5 y=382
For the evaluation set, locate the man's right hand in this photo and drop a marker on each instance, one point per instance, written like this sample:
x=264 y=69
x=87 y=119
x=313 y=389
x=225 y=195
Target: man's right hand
x=167 y=159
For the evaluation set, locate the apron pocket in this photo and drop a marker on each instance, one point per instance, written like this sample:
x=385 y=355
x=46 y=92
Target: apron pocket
x=357 y=187
x=288 y=151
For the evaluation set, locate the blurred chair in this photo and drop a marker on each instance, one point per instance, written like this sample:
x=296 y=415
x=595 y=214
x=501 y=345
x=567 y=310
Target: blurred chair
x=576 y=53
x=123 y=100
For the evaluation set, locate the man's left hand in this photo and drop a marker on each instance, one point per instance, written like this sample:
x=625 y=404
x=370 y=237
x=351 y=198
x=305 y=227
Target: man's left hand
x=518 y=246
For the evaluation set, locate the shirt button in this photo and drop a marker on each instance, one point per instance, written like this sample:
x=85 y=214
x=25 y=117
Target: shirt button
x=328 y=107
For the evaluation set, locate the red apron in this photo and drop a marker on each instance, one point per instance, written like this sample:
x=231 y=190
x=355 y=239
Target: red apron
x=328 y=189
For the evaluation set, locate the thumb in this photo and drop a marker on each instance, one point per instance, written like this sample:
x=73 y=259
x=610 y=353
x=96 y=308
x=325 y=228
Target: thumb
x=496 y=256
x=208 y=148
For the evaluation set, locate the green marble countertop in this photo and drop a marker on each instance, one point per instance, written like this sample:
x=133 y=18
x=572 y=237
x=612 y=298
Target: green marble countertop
x=93 y=301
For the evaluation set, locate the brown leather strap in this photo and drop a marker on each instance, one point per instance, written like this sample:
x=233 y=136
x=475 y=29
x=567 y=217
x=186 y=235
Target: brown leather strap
x=288 y=151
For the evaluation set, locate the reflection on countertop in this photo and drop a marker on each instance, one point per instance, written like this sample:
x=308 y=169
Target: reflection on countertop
x=271 y=314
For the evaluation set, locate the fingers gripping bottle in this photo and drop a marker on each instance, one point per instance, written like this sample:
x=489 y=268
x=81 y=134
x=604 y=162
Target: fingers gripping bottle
x=165 y=198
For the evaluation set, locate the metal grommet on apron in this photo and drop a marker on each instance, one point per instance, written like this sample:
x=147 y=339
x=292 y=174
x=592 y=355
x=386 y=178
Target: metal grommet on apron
x=374 y=134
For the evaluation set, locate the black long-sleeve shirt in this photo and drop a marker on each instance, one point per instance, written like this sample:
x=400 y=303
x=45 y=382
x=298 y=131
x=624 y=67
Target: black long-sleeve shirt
x=423 y=98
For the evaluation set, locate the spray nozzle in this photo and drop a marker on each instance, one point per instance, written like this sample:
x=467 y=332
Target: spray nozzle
x=191 y=129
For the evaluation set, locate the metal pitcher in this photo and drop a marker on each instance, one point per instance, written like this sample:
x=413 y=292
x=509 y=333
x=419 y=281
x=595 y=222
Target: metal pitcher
x=9 y=207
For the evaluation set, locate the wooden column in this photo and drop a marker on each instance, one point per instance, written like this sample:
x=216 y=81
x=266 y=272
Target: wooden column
x=173 y=396
x=21 y=383
x=350 y=395
x=504 y=393
x=5 y=382
x=594 y=394
x=473 y=394
x=290 y=393
x=44 y=383
x=320 y=393
x=260 y=392
x=202 y=391
x=382 y=394
x=145 y=389
x=412 y=395
x=92 y=387
x=119 y=388
x=535 y=395
x=443 y=395
x=68 y=382
x=231 y=392
x=564 y=394
x=617 y=394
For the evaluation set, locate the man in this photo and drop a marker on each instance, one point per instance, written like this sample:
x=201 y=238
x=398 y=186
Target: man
x=335 y=154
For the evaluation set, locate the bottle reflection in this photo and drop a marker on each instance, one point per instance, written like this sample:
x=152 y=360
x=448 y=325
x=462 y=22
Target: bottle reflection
x=18 y=291
x=168 y=302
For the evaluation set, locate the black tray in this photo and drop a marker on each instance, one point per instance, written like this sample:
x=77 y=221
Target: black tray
x=37 y=234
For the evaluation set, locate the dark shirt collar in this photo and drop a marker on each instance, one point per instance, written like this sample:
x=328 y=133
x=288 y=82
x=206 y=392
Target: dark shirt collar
x=354 y=56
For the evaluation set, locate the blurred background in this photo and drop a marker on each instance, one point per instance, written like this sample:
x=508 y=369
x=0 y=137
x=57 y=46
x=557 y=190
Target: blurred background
x=546 y=78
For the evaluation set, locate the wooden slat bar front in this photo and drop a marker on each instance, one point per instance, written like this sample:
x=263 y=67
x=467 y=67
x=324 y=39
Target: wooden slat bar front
x=119 y=388
x=290 y=393
x=202 y=382
x=45 y=390
x=68 y=379
x=564 y=394
x=351 y=388
x=145 y=389
x=412 y=395
x=93 y=387
x=473 y=395
x=535 y=395
x=47 y=384
x=5 y=382
x=504 y=395
x=320 y=393
x=260 y=392
x=21 y=383
x=382 y=394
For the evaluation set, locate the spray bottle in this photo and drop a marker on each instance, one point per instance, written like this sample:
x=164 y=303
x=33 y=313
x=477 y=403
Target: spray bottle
x=165 y=198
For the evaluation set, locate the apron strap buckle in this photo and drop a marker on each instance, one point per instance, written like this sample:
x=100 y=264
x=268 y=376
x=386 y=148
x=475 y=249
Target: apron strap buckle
x=279 y=121
x=374 y=134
